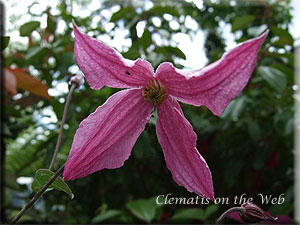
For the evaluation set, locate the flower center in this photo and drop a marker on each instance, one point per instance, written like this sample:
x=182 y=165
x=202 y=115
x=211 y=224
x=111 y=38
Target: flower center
x=155 y=92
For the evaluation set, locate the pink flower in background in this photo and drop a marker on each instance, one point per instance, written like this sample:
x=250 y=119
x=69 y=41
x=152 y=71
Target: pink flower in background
x=106 y=137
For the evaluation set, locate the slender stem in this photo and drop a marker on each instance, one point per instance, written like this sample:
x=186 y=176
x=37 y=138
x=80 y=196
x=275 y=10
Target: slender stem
x=220 y=219
x=58 y=172
x=62 y=123
x=37 y=195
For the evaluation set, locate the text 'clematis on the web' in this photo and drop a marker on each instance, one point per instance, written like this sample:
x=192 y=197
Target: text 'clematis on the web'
x=106 y=137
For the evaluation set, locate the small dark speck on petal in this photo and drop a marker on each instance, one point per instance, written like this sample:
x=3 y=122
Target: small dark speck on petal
x=128 y=73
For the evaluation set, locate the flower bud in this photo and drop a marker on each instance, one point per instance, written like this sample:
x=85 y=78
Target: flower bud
x=254 y=214
x=77 y=80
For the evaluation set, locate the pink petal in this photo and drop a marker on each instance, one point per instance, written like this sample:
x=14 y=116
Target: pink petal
x=217 y=84
x=102 y=65
x=178 y=141
x=105 y=138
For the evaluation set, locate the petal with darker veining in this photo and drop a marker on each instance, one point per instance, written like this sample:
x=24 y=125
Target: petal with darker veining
x=104 y=66
x=178 y=141
x=217 y=84
x=106 y=137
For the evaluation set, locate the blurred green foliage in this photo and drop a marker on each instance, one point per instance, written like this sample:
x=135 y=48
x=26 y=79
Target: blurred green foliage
x=249 y=149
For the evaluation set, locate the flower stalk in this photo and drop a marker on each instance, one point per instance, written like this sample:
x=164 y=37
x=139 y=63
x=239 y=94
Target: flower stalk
x=75 y=82
x=37 y=195
x=61 y=129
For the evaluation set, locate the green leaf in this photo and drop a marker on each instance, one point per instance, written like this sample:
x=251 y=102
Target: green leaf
x=284 y=69
x=27 y=28
x=274 y=77
x=35 y=54
x=188 y=214
x=211 y=209
x=64 y=61
x=4 y=42
x=164 y=9
x=143 y=209
x=281 y=209
x=133 y=21
x=58 y=108
x=282 y=42
x=146 y=39
x=242 y=22
x=283 y=123
x=122 y=13
x=169 y=50
x=142 y=146
x=132 y=53
x=51 y=22
x=256 y=31
x=43 y=175
x=235 y=108
x=254 y=130
x=285 y=38
x=107 y=215
x=285 y=58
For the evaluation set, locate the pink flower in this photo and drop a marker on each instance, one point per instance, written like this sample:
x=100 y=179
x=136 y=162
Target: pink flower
x=106 y=137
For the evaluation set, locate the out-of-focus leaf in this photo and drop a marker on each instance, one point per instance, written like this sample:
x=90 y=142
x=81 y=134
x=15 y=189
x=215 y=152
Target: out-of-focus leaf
x=274 y=77
x=286 y=70
x=289 y=128
x=164 y=9
x=36 y=54
x=10 y=181
x=31 y=84
x=58 y=108
x=235 y=108
x=283 y=123
x=27 y=28
x=283 y=41
x=254 y=130
x=142 y=146
x=27 y=100
x=4 y=42
x=146 y=39
x=242 y=22
x=285 y=38
x=211 y=209
x=133 y=21
x=43 y=175
x=64 y=60
x=51 y=22
x=143 y=209
x=169 y=50
x=109 y=214
x=256 y=31
x=132 y=53
x=286 y=58
x=283 y=209
x=122 y=13
x=188 y=215
x=24 y=218
x=10 y=83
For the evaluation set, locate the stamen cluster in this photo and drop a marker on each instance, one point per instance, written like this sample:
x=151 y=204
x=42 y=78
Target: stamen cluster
x=155 y=92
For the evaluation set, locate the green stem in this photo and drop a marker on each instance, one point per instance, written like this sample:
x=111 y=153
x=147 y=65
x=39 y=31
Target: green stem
x=58 y=172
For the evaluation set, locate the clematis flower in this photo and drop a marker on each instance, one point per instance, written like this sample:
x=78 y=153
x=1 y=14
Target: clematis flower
x=106 y=137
